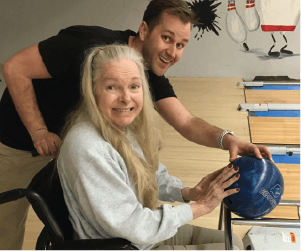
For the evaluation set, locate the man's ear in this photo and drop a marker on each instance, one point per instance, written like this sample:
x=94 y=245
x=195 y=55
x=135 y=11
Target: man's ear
x=143 y=30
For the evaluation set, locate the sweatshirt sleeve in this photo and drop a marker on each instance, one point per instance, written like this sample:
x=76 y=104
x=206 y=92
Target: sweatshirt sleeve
x=169 y=186
x=109 y=204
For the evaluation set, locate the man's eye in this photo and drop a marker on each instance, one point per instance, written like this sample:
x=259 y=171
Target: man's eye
x=110 y=87
x=180 y=46
x=166 y=38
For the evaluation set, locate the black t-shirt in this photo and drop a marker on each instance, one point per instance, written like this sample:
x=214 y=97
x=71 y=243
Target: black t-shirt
x=63 y=56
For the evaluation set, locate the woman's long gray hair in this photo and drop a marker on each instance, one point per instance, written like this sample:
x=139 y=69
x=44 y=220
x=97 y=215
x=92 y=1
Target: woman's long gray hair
x=143 y=128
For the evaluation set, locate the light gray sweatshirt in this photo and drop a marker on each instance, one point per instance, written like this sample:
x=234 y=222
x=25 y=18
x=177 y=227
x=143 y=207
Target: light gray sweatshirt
x=102 y=200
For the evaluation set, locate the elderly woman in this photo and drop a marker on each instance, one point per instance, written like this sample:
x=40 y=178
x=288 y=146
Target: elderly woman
x=109 y=169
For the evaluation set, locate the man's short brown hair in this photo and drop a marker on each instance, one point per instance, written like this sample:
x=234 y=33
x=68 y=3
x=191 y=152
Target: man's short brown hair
x=177 y=8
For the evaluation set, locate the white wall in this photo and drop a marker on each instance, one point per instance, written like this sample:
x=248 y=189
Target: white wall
x=26 y=22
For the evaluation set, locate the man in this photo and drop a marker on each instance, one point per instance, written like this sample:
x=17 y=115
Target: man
x=43 y=85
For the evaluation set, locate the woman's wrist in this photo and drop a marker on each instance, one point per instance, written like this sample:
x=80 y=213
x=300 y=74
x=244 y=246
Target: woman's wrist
x=198 y=210
x=186 y=191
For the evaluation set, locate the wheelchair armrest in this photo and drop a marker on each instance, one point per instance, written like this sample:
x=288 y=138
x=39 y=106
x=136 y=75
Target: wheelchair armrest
x=45 y=215
x=94 y=244
x=12 y=195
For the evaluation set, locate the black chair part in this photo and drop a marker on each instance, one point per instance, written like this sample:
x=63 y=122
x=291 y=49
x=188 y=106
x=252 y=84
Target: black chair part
x=45 y=194
x=12 y=195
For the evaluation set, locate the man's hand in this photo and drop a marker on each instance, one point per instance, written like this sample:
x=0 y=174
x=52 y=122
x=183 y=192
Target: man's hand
x=46 y=143
x=238 y=147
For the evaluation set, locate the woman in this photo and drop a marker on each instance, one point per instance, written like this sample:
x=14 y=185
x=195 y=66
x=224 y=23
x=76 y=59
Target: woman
x=109 y=169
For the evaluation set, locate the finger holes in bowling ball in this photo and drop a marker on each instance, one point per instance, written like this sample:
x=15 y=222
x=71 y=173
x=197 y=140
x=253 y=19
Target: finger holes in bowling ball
x=261 y=188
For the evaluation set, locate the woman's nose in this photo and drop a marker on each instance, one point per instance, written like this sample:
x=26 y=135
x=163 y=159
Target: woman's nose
x=125 y=97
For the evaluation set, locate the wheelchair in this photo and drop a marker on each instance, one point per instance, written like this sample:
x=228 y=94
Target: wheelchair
x=45 y=195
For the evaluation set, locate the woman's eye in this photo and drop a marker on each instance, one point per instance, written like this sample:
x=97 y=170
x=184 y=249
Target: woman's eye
x=112 y=88
x=135 y=87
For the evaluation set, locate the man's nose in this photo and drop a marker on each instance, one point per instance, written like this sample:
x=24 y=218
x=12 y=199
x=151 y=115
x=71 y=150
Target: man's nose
x=171 y=51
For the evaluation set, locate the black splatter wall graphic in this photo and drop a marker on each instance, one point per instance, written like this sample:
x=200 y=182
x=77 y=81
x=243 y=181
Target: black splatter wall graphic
x=205 y=12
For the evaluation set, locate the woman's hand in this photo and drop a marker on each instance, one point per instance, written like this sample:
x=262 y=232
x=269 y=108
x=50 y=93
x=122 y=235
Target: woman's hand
x=210 y=191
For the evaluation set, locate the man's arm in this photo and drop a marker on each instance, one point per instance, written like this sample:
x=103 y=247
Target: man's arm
x=200 y=132
x=190 y=127
x=18 y=72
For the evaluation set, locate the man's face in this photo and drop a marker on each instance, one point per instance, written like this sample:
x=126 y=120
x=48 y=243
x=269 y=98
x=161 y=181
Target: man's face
x=163 y=47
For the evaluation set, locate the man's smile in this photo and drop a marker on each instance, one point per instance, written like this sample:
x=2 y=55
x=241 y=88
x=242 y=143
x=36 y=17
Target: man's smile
x=164 y=60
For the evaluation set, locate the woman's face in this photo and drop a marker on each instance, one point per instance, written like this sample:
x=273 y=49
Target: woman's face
x=119 y=93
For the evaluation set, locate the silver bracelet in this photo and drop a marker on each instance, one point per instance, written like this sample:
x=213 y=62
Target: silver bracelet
x=220 y=139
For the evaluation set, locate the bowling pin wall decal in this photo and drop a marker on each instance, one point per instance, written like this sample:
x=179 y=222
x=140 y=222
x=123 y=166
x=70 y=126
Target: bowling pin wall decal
x=235 y=26
x=279 y=16
x=252 y=17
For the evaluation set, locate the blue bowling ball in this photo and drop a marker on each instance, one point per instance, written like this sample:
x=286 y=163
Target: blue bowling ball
x=261 y=188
